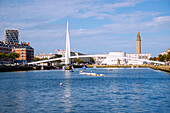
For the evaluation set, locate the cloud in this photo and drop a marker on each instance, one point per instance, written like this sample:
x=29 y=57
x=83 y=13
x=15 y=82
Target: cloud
x=31 y=15
x=41 y=21
x=128 y=23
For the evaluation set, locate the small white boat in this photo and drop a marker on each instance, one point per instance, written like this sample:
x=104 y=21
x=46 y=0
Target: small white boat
x=94 y=67
x=132 y=67
x=42 y=68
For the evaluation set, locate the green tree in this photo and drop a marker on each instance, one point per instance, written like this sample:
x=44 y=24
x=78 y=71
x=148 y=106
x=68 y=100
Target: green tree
x=56 y=56
x=154 y=58
x=161 y=58
x=92 y=60
x=12 y=55
x=44 y=59
x=36 y=59
x=77 y=60
x=2 y=55
x=168 y=57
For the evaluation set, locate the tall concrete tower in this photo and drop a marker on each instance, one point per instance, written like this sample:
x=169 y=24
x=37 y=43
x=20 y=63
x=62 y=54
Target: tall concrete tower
x=138 y=44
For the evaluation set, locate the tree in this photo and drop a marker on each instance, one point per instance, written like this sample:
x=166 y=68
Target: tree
x=13 y=55
x=56 y=56
x=92 y=60
x=162 y=57
x=154 y=58
x=77 y=60
x=168 y=57
x=36 y=59
x=2 y=55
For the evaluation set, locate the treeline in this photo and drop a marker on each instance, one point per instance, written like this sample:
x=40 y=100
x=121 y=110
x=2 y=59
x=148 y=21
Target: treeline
x=9 y=57
x=162 y=58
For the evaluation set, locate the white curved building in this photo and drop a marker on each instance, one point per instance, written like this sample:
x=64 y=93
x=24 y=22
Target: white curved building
x=115 y=58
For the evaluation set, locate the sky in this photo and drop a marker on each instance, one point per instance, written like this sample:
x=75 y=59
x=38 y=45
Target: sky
x=95 y=26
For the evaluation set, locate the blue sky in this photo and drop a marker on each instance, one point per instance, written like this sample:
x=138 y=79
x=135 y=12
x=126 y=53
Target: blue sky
x=96 y=26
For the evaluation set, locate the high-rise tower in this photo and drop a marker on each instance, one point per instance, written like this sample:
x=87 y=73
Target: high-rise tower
x=11 y=36
x=138 y=44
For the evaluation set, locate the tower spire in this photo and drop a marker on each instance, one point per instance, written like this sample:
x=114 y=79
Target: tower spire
x=138 y=44
x=67 y=53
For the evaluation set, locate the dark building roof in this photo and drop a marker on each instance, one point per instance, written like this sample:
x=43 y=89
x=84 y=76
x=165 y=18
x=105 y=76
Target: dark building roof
x=16 y=45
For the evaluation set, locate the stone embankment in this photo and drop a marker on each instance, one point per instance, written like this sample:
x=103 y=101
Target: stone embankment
x=26 y=68
x=23 y=68
x=155 y=67
x=160 y=67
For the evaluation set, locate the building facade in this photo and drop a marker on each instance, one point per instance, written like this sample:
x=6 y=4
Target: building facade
x=5 y=48
x=45 y=55
x=99 y=59
x=26 y=52
x=84 y=59
x=138 y=44
x=133 y=58
x=12 y=36
x=114 y=58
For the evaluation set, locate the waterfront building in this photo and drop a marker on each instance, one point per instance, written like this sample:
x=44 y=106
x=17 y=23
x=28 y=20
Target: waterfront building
x=138 y=44
x=25 y=50
x=132 y=57
x=114 y=58
x=45 y=55
x=100 y=58
x=72 y=53
x=121 y=58
x=5 y=48
x=12 y=36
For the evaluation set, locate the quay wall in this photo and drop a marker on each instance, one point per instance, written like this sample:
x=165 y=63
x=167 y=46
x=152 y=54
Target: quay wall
x=26 y=68
x=155 y=67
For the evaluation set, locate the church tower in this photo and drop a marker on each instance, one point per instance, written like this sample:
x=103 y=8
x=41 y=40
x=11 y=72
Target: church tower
x=138 y=44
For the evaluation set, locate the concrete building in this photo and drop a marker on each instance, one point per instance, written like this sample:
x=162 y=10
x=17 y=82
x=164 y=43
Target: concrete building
x=114 y=58
x=138 y=44
x=45 y=55
x=5 y=48
x=99 y=59
x=85 y=59
x=12 y=36
x=137 y=56
x=25 y=50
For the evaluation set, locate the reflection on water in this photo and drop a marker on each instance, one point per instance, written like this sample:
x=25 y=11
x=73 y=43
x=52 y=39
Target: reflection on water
x=121 y=90
x=67 y=94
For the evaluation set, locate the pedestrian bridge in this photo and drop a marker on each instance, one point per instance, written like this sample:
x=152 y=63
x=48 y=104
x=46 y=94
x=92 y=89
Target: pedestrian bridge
x=83 y=56
x=67 y=54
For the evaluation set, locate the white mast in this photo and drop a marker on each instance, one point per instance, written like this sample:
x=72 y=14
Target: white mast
x=67 y=53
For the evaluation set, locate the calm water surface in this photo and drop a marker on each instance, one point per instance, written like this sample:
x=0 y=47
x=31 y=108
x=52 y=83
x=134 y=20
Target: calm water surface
x=121 y=90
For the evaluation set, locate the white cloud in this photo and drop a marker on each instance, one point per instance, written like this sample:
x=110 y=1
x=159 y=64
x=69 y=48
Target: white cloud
x=39 y=20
